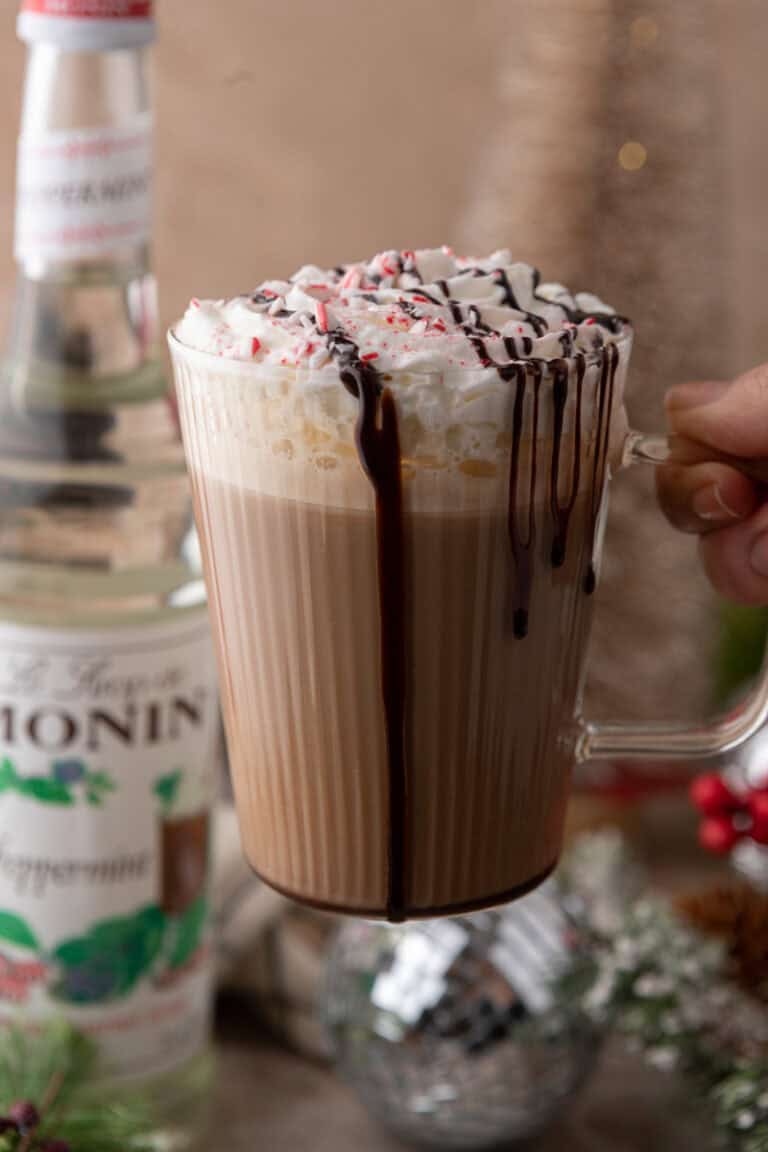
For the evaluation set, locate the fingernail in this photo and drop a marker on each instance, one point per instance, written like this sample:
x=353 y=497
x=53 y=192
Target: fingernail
x=758 y=556
x=683 y=396
x=708 y=504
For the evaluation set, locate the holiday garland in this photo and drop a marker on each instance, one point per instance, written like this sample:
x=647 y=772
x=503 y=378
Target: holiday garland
x=47 y=1103
x=669 y=988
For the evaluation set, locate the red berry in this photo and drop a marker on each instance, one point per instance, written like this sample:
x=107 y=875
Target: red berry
x=712 y=796
x=25 y=1114
x=758 y=802
x=758 y=808
x=717 y=834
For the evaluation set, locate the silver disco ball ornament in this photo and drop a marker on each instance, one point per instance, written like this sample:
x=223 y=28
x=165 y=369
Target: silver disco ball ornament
x=466 y=1032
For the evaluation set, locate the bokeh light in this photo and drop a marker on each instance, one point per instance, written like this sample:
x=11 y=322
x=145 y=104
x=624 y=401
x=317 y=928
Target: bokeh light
x=632 y=155
x=644 y=32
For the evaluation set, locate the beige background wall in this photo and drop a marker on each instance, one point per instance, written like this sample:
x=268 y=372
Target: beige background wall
x=299 y=131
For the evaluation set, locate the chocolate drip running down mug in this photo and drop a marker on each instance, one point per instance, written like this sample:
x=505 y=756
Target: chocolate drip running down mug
x=401 y=561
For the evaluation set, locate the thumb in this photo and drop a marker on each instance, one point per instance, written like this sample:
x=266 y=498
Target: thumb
x=730 y=417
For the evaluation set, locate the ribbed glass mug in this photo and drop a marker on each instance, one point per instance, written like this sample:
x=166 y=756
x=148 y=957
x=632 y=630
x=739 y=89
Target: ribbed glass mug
x=401 y=673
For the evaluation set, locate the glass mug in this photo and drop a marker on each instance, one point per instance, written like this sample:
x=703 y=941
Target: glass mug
x=402 y=646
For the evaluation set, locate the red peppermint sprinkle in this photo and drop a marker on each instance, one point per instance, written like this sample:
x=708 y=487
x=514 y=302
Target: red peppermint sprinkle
x=194 y=302
x=421 y=299
x=270 y=295
x=255 y=345
x=352 y=278
x=370 y=356
x=590 y=320
x=390 y=319
x=318 y=287
x=322 y=316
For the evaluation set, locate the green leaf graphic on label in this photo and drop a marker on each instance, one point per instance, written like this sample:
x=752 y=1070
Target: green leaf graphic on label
x=97 y=784
x=44 y=790
x=100 y=782
x=8 y=777
x=166 y=788
x=189 y=931
x=108 y=961
x=68 y=781
x=16 y=931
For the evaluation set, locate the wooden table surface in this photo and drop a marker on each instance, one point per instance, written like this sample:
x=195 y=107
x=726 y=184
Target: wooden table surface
x=269 y=1100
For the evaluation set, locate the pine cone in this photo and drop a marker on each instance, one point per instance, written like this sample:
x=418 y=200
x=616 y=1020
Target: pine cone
x=738 y=914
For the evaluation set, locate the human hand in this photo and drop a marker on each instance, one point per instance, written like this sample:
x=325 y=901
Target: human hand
x=727 y=509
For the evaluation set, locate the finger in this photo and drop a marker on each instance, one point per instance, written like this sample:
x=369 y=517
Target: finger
x=703 y=497
x=731 y=417
x=736 y=559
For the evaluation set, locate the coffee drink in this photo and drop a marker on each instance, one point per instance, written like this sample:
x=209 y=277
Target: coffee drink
x=399 y=471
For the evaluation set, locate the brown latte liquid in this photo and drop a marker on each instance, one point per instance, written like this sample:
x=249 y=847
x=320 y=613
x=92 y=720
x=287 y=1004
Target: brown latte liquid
x=487 y=714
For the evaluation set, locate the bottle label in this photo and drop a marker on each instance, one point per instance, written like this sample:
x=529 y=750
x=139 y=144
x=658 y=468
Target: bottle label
x=108 y=745
x=85 y=193
x=87 y=25
x=91 y=9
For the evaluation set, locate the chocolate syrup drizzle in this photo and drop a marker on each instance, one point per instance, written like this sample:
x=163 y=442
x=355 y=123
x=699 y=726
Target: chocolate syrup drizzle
x=609 y=364
x=378 y=445
x=561 y=513
x=522 y=545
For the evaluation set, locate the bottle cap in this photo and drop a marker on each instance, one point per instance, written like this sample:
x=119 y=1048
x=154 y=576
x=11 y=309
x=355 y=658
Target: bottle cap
x=87 y=25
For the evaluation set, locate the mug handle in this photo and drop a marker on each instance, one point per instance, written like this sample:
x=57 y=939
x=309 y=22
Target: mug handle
x=680 y=741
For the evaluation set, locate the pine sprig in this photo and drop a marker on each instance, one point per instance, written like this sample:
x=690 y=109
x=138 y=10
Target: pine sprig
x=665 y=986
x=47 y=1102
x=30 y=1058
x=741 y=1100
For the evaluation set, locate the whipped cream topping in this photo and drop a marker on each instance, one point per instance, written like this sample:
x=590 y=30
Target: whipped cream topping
x=407 y=311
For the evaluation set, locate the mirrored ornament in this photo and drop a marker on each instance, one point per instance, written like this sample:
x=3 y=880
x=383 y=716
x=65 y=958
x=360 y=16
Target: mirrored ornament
x=467 y=1032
